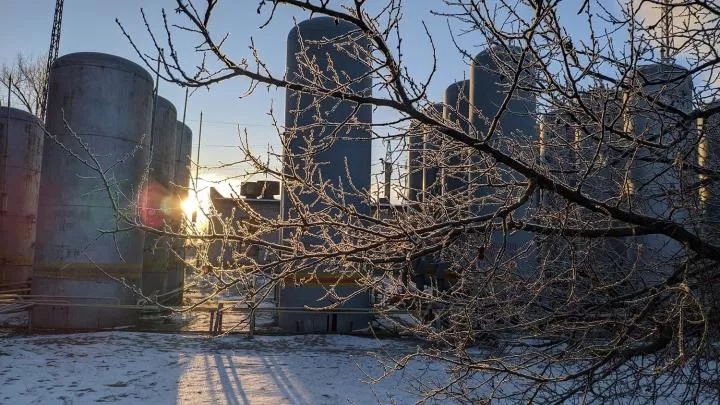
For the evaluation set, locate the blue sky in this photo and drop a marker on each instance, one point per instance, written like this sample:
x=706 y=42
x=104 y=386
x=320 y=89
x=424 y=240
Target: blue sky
x=89 y=25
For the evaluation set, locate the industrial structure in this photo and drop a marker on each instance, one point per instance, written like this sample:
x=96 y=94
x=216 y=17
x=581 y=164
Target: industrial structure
x=656 y=191
x=569 y=144
x=431 y=159
x=106 y=102
x=329 y=46
x=237 y=216
x=709 y=157
x=454 y=172
x=179 y=189
x=21 y=143
x=69 y=233
x=158 y=199
x=493 y=184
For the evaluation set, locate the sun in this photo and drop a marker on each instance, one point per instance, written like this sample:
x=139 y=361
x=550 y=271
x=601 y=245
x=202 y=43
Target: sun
x=194 y=207
x=190 y=205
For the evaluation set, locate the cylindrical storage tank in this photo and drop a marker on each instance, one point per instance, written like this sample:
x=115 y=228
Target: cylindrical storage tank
x=456 y=111
x=575 y=147
x=491 y=77
x=337 y=50
x=558 y=157
x=415 y=149
x=656 y=184
x=21 y=143
x=183 y=159
x=709 y=158
x=158 y=198
x=181 y=184
x=431 y=159
x=106 y=102
x=423 y=145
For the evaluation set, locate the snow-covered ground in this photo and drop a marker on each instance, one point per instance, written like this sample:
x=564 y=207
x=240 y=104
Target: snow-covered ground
x=153 y=368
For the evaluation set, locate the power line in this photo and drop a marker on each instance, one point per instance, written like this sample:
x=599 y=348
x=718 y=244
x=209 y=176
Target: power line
x=234 y=123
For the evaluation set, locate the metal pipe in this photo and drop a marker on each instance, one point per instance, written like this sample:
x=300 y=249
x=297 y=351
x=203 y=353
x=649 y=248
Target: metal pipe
x=69 y=297
x=185 y=108
x=5 y=143
x=16 y=290
x=197 y=168
x=154 y=107
x=197 y=160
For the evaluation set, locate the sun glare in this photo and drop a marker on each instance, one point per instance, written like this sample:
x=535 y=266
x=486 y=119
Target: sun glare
x=193 y=207
x=190 y=205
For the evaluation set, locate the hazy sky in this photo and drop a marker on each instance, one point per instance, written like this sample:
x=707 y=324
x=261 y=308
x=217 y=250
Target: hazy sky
x=89 y=25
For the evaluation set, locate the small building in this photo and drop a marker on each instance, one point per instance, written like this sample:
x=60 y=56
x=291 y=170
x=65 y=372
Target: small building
x=235 y=217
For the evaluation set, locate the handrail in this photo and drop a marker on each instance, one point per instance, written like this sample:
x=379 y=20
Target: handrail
x=14 y=283
x=15 y=291
x=31 y=297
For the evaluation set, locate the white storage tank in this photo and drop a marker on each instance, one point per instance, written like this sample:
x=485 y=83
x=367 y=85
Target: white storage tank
x=516 y=132
x=106 y=102
x=317 y=50
x=21 y=143
x=655 y=183
x=159 y=199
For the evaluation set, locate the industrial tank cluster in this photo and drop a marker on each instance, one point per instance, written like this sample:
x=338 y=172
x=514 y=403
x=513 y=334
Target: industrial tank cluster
x=100 y=114
x=71 y=201
x=337 y=51
x=440 y=166
x=563 y=144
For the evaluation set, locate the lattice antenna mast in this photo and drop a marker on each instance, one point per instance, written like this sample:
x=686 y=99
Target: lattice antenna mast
x=54 y=48
x=666 y=44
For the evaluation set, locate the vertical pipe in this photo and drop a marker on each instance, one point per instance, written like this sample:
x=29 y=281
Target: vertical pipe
x=197 y=160
x=182 y=135
x=5 y=142
x=387 y=169
x=197 y=166
x=185 y=105
x=155 y=96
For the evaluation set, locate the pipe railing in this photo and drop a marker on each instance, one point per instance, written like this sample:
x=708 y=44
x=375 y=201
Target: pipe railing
x=29 y=301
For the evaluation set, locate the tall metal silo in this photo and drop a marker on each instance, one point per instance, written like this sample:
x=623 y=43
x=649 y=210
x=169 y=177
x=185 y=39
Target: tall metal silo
x=319 y=50
x=493 y=185
x=580 y=153
x=456 y=111
x=601 y=165
x=415 y=150
x=159 y=199
x=423 y=164
x=431 y=159
x=181 y=183
x=709 y=158
x=655 y=183
x=21 y=143
x=106 y=102
x=558 y=155
x=709 y=195
x=183 y=141
x=491 y=76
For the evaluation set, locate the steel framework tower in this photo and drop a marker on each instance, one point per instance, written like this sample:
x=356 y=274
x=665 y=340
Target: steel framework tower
x=54 y=48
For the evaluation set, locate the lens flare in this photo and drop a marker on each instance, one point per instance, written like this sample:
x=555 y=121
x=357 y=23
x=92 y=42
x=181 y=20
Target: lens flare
x=190 y=205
